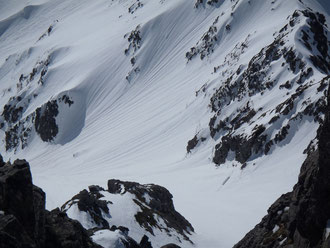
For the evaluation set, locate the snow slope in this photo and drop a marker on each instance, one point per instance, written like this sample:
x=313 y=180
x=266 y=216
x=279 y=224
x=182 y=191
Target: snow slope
x=135 y=105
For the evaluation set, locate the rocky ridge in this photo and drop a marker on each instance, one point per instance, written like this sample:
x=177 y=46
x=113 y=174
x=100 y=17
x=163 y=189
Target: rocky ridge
x=260 y=129
x=24 y=221
x=154 y=212
x=300 y=218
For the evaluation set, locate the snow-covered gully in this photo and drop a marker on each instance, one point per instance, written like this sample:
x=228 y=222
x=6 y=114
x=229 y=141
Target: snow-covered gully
x=206 y=107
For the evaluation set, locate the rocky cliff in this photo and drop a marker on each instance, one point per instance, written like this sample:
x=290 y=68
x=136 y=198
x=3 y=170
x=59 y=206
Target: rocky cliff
x=301 y=218
x=24 y=221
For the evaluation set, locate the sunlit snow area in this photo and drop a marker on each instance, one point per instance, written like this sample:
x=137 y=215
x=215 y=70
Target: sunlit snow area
x=132 y=120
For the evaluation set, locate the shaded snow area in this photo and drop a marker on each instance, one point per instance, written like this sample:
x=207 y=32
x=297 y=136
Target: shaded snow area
x=217 y=101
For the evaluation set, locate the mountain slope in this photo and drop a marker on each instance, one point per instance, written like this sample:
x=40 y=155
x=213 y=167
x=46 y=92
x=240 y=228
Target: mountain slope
x=116 y=89
x=300 y=218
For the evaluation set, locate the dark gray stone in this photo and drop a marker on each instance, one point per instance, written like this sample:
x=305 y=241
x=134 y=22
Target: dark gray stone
x=24 y=222
x=301 y=215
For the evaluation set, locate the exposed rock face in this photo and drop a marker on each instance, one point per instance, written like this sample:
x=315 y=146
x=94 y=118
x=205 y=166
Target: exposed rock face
x=202 y=3
x=42 y=122
x=24 y=222
x=205 y=46
x=249 y=130
x=62 y=231
x=159 y=203
x=21 y=199
x=194 y=142
x=145 y=243
x=135 y=6
x=45 y=123
x=135 y=41
x=12 y=233
x=154 y=213
x=300 y=218
x=90 y=203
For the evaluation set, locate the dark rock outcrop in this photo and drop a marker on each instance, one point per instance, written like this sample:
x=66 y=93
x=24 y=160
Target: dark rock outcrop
x=244 y=147
x=135 y=6
x=155 y=211
x=61 y=231
x=242 y=83
x=160 y=203
x=24 y=222
x=130 y=243
x=45 y=122
x=2 y=163
x=299 y=218
x=21 y=199
x=12 y=233
x=19 y=129
x=145 y=243
x=90 y=202
x=194 y=142
x=206 y=45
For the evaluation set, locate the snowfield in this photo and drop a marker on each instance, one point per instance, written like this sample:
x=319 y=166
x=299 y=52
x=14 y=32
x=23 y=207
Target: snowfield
x=133 y=113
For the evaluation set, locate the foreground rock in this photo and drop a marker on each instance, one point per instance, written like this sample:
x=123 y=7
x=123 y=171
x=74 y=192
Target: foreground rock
x=301 y=218
x=24 y=222
x=145 y=212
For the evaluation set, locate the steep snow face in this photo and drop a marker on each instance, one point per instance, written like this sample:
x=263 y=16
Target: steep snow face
x=93 y=90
